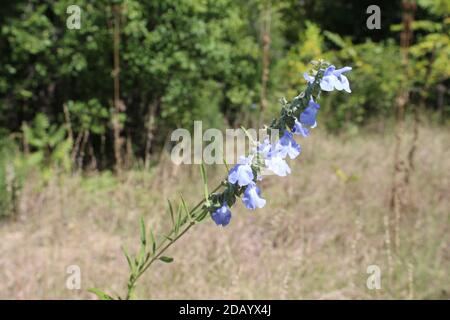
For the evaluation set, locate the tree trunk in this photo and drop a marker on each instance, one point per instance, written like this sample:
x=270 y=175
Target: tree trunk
x=118 y=104
x=397 y=193
x=265 y=35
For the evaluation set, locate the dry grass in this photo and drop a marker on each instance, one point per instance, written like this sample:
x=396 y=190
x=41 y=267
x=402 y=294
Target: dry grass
x=314 y=239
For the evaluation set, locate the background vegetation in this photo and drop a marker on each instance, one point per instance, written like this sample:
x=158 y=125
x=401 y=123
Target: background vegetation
x=83 y=144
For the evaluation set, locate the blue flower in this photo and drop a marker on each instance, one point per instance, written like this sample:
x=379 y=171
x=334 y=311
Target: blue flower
x=308 y=116
x=222 y=216
x=241 y=173
x=308 y=78
x=278 y=166
x=264 y=147
x=300 y=130
x=274 y=155
x=332 y=79
x=286 y=146
x=252 y=197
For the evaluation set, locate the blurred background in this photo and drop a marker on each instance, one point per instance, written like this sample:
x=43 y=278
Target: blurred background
x=85 y=120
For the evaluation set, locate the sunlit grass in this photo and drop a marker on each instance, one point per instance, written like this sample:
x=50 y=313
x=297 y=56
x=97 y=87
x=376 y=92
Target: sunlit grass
x=315 y=238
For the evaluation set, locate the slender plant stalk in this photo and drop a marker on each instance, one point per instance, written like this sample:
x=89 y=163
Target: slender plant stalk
x=133 y=279
x=266 y=20
x=397 y=193
x=212 y=201
x=416 y=112
x=163 y=246
x=192 y=215
x=117 y=103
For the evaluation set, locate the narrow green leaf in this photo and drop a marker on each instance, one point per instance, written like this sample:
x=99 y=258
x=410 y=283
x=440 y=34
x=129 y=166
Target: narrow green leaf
x=100 y=294
x=201 y=216
x=166 y=259
x=171 y=212
x=185 y=208
x=205 y=183
x=143 y=235
x=140 y=258
x=226 y=164
x=152 y=238
x=178 y=222
x=127 y=256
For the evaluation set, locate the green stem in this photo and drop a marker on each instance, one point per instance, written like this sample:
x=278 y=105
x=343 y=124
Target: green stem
x=286 y=118
x=162 y=247
x=192 y=211
x=133 y=279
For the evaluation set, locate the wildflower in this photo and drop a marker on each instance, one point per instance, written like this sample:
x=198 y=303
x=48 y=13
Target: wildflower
x=264 y=150
x=241 y=173
x=222 y=216
x=252 y=197
x=308 y=78
x=332 y=79
x=274 y=155
x=278 y=166
x=264 y=147
x=299 y=129
x=308 y=116
x=287 y=146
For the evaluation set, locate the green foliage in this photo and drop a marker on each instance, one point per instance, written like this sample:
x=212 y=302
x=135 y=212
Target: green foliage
x=377 y=70
x=377 y=73
x=180 y=60
x=10 y=178
x=438 y=7
x=91 y=116
x=100 y=294
x=189 y=59
x=186 y=60
x=431 y=54
x=166 y=259
x=296 y=61
x=49 y=146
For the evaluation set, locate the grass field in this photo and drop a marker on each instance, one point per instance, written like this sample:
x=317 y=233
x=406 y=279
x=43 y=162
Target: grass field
x=321 y=229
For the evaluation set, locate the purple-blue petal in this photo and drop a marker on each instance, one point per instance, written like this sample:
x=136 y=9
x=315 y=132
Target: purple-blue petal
x=222 y=216
x=252 y=197
x=242 y=174
x=308 y=116
x=300 y=130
